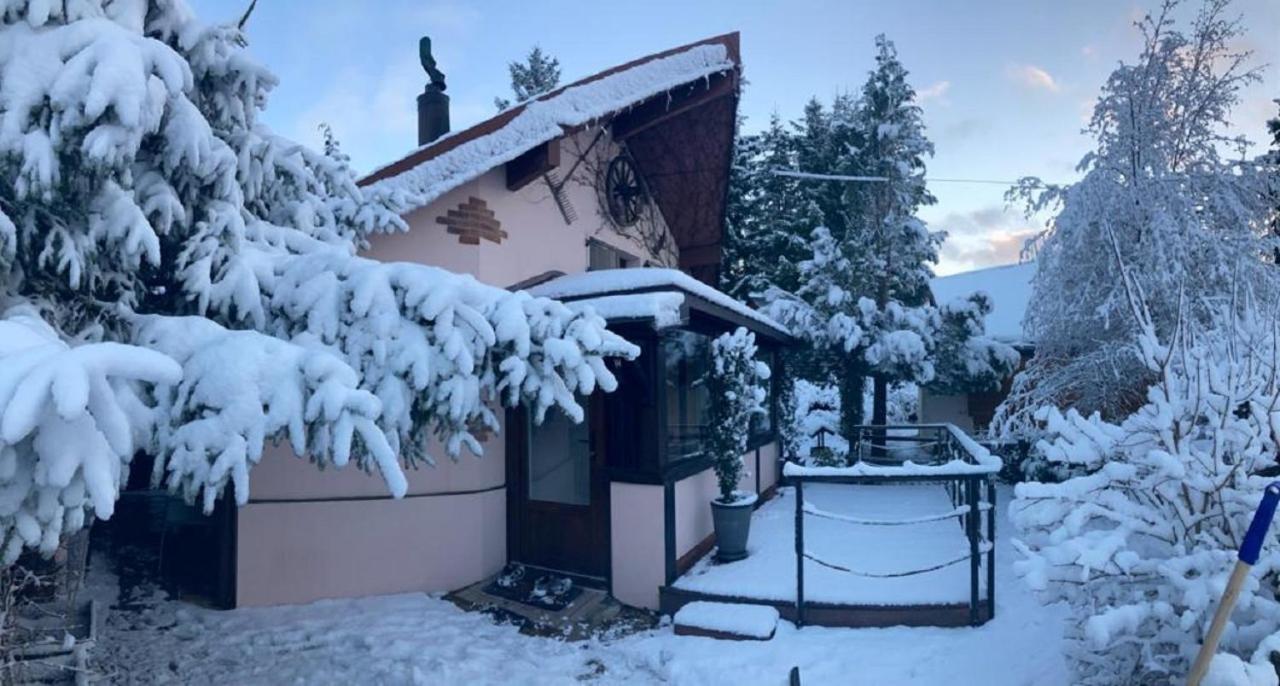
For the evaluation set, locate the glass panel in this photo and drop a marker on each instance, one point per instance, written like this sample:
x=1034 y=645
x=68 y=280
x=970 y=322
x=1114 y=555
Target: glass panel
x=560 y=460
x=687 y=356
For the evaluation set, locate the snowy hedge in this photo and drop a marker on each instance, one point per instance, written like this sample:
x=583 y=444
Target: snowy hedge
x=735 y=385
x=1141 y=534
x=181 y=280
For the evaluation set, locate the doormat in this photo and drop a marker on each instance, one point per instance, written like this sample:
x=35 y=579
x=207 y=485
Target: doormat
x=535 y=588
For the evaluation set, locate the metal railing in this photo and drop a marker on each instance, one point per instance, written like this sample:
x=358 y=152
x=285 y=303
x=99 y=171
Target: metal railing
x=935 y=453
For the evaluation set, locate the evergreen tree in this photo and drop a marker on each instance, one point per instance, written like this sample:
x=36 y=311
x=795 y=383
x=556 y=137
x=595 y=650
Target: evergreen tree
x=538 y=74
x=176 y=278
x=897 y=249
x=863 y=297
x=769 y=217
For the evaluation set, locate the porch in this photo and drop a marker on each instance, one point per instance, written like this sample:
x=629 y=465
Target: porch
x=902 y=536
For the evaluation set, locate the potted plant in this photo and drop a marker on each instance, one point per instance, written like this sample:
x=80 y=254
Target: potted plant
x=736 y=393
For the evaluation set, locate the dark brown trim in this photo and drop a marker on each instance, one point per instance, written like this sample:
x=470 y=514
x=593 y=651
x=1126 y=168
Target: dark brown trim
x=684 y=630
x=531 y=165
x=697 y=552
x=361 y=498
x=675 y=102
x=669 y=532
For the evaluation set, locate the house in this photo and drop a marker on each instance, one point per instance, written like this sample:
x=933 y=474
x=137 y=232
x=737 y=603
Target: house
x=606 y=193
x=1009 y=287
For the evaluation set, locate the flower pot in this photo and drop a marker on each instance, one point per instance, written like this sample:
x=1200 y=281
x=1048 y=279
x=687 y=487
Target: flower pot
x=733 y=525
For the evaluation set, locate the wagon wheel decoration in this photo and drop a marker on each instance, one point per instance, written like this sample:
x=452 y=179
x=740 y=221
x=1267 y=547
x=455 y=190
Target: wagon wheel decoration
x=623 y=192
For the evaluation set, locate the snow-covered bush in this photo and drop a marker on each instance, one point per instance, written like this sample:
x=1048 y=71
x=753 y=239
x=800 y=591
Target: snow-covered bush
x=206 y=267
x=1141 y=533
x=816 y=408
x=735 y=384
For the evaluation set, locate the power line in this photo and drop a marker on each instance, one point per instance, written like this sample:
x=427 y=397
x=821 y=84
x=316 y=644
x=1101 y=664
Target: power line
x=882 y=179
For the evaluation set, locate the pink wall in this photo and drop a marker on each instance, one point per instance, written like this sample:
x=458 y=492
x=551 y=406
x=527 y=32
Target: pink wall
x=322 y=544
x=300 y=552
x=638 y=561
x=693 y=495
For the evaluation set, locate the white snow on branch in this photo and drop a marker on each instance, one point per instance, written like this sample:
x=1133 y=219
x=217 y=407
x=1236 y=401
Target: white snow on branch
x=68 y=420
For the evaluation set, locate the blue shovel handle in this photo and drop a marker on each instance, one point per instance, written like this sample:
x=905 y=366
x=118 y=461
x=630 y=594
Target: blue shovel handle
x=1251 y=548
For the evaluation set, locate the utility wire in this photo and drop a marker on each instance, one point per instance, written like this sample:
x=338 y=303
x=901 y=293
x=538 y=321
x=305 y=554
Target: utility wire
x=881 y=179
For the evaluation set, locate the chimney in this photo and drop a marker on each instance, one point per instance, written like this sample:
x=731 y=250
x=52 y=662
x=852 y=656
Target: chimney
x=433 y=104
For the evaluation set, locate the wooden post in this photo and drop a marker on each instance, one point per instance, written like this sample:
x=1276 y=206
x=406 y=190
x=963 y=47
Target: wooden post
x=799 y=551
x=971 y=492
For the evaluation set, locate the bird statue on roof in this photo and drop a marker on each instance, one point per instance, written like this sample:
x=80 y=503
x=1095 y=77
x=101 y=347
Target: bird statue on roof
x=429 y=63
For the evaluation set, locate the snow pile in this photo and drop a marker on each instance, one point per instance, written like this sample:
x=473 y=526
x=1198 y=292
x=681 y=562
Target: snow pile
x=1229 y=670
x=1141 y=534
x=614 y=281
x=153 y=222
x=69 y=418
x=545 y=119
x=755 y=621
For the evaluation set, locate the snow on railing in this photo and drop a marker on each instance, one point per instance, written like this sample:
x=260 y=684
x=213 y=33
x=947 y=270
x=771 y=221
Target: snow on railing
x=957 y=454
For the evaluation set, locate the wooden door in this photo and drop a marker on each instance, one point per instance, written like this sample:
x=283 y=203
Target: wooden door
x=561 y=493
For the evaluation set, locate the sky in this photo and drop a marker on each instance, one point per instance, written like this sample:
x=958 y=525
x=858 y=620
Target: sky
x=1006 y=85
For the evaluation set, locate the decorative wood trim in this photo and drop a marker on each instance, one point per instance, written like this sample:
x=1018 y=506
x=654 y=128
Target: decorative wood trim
x=673 y=103
x=471 y=221
x=531 y=165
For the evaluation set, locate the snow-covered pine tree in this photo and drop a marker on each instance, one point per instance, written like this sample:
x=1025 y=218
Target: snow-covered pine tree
x=897 y=248
x=864 y=292
x=176 y=278
x=538 y=74
x=1188 y=218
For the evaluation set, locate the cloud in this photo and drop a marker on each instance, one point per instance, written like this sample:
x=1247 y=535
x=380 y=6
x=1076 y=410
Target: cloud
x=1033 y=77
x=936 y=91
x=984 y=237
x=1089 y=51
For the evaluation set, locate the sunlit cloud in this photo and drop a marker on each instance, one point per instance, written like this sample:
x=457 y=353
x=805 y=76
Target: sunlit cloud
x=982 y=238
x=936 y=92
x=1033 y=77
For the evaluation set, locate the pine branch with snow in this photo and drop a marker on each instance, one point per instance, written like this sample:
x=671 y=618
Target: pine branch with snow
x=152 y=216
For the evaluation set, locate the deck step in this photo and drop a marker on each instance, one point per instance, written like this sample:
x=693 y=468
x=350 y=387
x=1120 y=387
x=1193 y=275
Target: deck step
x=728 y=621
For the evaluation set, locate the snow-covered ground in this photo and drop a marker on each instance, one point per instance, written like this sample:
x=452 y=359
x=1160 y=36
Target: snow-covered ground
x=418 y=639
x=769 y=572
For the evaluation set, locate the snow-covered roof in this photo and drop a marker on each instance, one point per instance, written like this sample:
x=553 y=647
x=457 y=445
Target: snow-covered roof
x=612 y=282
x=447 y=162
x=663 y=307
x=1009 y=287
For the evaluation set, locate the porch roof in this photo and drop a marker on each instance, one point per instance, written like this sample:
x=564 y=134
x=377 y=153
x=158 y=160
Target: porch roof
x=617 y=294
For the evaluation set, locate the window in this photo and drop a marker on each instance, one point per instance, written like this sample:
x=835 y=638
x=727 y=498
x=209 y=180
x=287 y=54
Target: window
x=687 y=356
x=560 y=460
x=604 y=256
